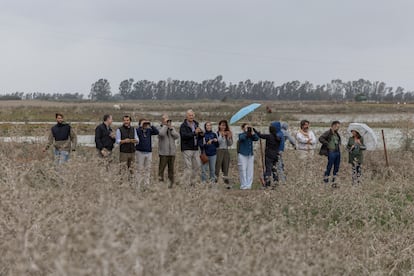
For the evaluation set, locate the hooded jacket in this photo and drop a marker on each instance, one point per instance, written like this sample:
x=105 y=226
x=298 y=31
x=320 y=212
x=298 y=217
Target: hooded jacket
x=272 y=143
x=279 y=134
x=287 y=135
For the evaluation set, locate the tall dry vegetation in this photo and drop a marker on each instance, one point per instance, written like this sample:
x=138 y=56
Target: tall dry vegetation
x=86 y=221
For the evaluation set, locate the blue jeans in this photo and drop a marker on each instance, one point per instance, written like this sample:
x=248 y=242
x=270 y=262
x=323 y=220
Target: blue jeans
x=211 y=166
x=334 y=160
x=61 y=156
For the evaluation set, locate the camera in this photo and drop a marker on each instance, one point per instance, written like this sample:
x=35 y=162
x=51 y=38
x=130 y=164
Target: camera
x=146 y=124
x=169 y=122
x=249 y=129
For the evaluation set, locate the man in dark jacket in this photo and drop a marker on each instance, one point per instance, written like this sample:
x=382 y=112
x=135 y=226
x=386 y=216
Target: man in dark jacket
x=190 y=132
x=145 y=131
x=331 y=142
x=63 y=138
x=105 y=137
x=127 y=138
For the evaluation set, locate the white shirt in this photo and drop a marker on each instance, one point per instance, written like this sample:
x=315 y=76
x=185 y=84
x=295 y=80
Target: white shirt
x=302 y=140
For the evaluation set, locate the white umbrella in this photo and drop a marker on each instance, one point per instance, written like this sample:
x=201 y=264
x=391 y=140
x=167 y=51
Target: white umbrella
x=370 y=139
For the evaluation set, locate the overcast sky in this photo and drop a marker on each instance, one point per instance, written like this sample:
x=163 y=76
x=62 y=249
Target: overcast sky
x=65 y=46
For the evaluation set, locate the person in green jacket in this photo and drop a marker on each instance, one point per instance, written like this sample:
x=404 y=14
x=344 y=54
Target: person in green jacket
x=355 y=148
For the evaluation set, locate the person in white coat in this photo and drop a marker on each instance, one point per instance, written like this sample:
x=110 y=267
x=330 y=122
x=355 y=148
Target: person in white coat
x=306 y=141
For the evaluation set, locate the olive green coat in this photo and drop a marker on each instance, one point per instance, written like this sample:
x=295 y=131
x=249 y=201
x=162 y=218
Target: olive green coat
x=356 y=154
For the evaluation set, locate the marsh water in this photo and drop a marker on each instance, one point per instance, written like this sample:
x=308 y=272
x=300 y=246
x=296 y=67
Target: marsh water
x=393 y=136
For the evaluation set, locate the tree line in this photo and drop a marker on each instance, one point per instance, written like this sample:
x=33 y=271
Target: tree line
x=217 y=88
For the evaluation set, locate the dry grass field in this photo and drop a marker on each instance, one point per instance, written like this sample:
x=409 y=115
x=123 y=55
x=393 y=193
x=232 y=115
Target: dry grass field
x=85 y=220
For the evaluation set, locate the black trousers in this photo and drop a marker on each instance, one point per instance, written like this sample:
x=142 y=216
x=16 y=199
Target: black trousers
x=166 y=160
x=270 y=164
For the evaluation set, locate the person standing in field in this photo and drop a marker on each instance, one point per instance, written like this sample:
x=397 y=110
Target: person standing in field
x=105 y=138
x=63 y=138
x=190 y=133
x=209 y=144
x=271 y=153
x=145 y=131
x=331 y=147
x=167 y=149
x=286 y=134
x=355 y=148
x=126 y=137
x=278 y=173
x=245 y=156
x=225 y=140
x=306 y=141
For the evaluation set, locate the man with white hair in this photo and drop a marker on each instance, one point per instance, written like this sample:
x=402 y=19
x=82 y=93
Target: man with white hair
x=190 y=133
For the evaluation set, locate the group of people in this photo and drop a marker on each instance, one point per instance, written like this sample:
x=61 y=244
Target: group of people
x=206 y=151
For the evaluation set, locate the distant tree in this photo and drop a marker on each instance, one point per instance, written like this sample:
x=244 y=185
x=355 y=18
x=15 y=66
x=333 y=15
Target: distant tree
x=125 y=88
x=101 y=90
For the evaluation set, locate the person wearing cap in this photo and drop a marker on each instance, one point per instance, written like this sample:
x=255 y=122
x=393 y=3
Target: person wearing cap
x=355 y=148
x=167 y=149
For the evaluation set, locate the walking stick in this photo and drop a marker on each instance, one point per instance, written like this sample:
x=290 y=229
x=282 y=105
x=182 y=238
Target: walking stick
x=385 y=148
x=262 y=180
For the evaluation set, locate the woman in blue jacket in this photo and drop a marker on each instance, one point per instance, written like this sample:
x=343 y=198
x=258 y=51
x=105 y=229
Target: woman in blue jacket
x=208 y=145
x=245 y=156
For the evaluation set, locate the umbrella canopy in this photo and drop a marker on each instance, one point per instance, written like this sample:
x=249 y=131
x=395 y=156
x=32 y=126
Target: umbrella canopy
x=370 y=139
x=243 y=112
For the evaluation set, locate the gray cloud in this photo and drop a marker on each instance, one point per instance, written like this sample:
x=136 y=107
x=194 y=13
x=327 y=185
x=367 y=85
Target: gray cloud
x=64 y=46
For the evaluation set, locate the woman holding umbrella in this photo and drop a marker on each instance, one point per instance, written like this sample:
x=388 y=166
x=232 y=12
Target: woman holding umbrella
x=356 y=147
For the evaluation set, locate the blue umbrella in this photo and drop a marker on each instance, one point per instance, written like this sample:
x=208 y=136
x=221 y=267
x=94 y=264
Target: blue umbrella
x=243 y=112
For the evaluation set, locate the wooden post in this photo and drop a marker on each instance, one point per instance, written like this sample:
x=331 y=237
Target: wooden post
x=385 y=148
x=262 y=180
